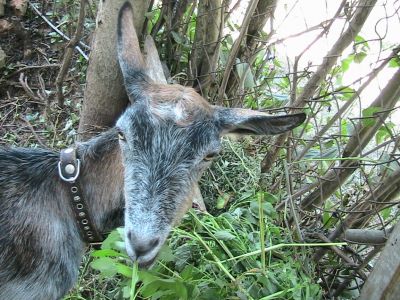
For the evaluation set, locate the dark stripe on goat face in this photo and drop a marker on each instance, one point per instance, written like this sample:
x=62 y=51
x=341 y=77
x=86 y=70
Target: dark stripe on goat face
x=162 y=162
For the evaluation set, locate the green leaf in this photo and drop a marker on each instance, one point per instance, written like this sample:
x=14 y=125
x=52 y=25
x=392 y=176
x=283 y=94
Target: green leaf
x=124 y=270
x=187 y=272
x=177 y=38
x=223 y=200
x=382 y=134
x=111 y=239
x=107 y=252
x=368 y=113
x=170 y=286
x=268 y=209
x=119 y=245
x=394 y=62
x=151 y=14
x=224 y=235
x=166 y=254
x=361 y=42
x=345 y=64
x=326 y=216
x=359 y=57
x=107 y=266
x=346 y=93
x=385 y=213
x=183 y=254
x=244 y=71
x=270 y=198
x=126 y=291
x=343 y=127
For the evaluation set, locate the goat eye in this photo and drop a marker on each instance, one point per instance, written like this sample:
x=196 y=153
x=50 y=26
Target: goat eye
x=210 y=156
x=121 y=136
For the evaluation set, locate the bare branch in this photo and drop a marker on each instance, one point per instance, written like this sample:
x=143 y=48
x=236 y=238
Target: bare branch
x=363 y=133
x=365 y=236
x=59 y=32
x=360 y=16
x=348 y=103
x=384 y=192
x=69 y=53
x=235 y=49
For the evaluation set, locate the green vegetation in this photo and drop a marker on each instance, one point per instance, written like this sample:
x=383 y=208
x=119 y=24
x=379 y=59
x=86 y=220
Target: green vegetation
x=212 y=257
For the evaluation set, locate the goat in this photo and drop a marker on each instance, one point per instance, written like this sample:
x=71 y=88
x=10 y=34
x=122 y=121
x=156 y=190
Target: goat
x=141 y=174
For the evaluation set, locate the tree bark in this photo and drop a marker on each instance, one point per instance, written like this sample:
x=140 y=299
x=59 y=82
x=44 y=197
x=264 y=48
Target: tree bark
x=383 y=282
x=205 y=50
x=105 y=97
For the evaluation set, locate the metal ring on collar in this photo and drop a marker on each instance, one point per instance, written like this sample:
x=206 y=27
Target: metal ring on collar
x=72 y=179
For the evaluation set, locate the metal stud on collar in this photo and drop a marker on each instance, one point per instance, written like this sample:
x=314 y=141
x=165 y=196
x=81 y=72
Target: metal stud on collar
x=67 y=170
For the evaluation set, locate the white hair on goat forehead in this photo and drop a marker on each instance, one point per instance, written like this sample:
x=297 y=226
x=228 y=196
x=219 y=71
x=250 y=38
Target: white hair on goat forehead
x=178 y=103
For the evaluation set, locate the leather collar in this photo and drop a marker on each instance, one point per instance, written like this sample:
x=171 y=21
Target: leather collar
x=69 y=170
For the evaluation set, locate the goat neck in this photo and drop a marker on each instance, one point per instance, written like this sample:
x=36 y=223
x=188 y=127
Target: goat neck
x=102 y=180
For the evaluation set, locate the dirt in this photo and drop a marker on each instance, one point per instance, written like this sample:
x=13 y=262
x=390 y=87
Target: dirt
x=29 y=114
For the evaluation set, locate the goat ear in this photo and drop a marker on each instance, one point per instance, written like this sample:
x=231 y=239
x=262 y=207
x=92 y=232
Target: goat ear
x=129 y=55
x=154 y=67
x=245 y=121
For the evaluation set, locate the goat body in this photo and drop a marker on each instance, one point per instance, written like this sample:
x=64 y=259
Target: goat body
x=40 y=245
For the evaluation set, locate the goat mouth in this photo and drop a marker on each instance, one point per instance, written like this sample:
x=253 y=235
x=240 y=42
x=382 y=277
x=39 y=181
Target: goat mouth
x=147 y=264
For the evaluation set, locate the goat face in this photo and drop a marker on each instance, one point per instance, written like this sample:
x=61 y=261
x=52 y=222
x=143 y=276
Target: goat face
x=163 y=161
x=168 y=137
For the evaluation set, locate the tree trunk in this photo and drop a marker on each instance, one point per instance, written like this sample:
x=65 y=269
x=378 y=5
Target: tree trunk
x=205 y=50
x=383 y=282
x=105 y=96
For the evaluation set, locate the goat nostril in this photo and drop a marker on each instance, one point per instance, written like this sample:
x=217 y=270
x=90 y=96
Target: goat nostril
x=154 y=242
x=143 y=247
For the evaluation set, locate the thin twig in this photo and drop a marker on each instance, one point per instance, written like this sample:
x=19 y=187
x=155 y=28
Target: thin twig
x=24 y=83
x=65 y=37
x=33 y=132
x=69 y=52
x=235 y=49
x=32 y=67
x=289 y=195
x=348 y=103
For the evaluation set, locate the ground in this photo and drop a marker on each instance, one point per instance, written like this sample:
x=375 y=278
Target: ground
x=29 y=114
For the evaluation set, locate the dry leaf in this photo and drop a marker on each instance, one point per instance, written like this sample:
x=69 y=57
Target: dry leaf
x=5 y=26
x=19 y=7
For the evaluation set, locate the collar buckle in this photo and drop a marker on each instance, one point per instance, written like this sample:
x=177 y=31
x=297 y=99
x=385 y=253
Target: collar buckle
x=69 y=169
